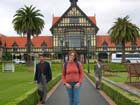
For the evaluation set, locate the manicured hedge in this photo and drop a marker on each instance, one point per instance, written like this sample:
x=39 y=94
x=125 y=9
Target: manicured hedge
x=31 y=98
x=118 y=95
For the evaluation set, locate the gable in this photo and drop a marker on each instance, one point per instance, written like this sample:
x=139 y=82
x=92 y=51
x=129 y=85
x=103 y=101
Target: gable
x=74 y=16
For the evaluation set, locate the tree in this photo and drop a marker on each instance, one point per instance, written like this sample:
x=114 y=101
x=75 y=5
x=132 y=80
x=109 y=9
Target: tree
x=28 y=21
x=123 y=31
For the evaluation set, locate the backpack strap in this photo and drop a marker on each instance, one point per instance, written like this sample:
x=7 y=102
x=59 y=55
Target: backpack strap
x=65 y=67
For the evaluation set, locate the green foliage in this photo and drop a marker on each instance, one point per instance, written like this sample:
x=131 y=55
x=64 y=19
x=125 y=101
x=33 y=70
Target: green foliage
x=56 y=61
x=124 y=31
x=53 y=82
x=91 y=67
x=31 y=98
x=14 y=85
x=28 y=21
x=113 y=66
x=7 y=56
x=56 y=69
x=117 y=66
x=117 y=94
x=20 y=82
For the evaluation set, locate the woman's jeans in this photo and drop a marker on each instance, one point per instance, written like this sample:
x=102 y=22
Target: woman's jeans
x=73 y=94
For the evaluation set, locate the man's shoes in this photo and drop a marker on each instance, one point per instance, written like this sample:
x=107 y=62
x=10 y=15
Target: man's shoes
x=98 y=88
x=43 y=103
x=40 y=98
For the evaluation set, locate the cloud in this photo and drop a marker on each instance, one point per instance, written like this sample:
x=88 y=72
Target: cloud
x=106 y=12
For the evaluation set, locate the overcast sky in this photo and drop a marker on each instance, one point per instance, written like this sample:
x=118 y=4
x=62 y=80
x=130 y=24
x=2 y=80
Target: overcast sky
x=106 y=12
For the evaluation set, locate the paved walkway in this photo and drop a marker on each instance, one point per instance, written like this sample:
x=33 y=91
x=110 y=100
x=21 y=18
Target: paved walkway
x=89 y=95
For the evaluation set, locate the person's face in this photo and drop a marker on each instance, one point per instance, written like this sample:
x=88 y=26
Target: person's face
x=41 y=58
x=71 y=57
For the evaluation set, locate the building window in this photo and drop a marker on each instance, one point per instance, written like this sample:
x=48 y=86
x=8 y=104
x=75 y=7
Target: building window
x=44 y=47
x=74 y=39
x=15 y=47
x=74 y=20
x=104 y=45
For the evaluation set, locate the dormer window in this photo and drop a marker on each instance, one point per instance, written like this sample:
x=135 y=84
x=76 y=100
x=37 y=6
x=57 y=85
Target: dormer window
x=44 y=47
x=15 y=47
x=104 y=45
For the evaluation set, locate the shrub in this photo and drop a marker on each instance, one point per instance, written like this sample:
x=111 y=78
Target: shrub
x=117 y=94
x=31 y=98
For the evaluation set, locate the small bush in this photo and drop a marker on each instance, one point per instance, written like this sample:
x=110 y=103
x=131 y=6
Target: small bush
x=31 y=98
x=119 y=96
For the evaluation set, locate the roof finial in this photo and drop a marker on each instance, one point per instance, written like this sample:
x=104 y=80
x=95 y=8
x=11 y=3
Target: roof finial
x=73 y=2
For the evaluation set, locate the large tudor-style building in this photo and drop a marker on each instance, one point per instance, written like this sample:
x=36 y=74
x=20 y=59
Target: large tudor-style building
x=74 y=30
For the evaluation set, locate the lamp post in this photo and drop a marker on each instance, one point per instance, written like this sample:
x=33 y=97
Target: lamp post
x=88 y=41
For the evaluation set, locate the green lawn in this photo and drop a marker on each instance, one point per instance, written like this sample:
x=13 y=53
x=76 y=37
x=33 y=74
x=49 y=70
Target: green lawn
x=117 y=77
x=113 y=66
x=14 y=85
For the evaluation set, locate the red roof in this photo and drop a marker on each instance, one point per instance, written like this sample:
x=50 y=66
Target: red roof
x=55 y=19
x=20 y=41
x=3 y=39
x=93 y=19
x=104 y=38
x=101 y=39
x=38 y=40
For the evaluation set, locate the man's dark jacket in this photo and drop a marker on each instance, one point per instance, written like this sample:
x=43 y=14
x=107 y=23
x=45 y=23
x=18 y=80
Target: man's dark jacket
x=47 y=72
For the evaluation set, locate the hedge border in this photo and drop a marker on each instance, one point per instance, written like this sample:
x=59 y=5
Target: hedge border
x=31 y=97
x=117 y=94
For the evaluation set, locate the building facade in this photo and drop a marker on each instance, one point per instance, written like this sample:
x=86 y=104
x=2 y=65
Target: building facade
x=74 y=30
x=16 y=46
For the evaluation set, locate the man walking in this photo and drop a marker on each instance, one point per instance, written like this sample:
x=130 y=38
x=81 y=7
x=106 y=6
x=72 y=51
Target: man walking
x=42 y=76
x=98 y=73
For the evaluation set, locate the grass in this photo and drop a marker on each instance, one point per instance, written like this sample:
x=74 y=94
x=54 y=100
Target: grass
x=14 y=85
x=117 y=66
x=113 y=66
x=91 y=66
x=117 y=77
